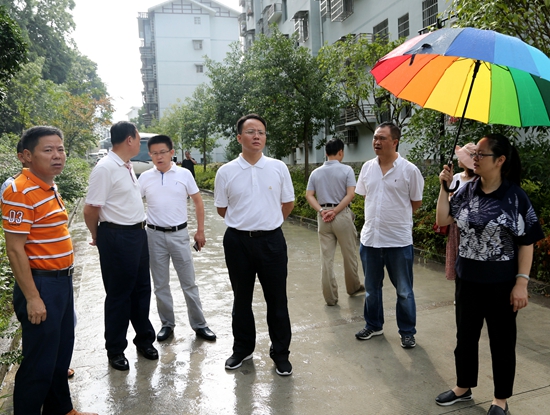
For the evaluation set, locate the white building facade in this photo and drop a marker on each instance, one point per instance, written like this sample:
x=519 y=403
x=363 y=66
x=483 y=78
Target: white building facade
x=320 y=22
x=175 y=38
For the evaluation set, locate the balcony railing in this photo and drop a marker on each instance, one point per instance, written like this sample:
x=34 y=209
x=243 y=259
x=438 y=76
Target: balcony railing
x=354 y=116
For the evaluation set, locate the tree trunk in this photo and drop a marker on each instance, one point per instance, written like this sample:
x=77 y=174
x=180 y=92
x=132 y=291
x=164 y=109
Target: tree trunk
x=204 y=153
x=306 y=152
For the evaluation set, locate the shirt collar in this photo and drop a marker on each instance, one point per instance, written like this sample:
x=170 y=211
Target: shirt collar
x=173 y=167
x=497 y=194
x=43 y=185
x=245 y=164
x=116 y=158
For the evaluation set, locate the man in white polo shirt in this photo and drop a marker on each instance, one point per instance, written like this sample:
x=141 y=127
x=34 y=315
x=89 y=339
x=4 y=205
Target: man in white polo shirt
x=392 y=187
x=166 y=188
x=254 y=194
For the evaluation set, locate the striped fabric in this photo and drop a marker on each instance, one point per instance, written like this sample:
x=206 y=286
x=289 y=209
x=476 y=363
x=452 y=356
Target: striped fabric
x=32 y=207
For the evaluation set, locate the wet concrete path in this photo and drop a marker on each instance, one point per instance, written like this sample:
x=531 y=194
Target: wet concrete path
x=333 y=372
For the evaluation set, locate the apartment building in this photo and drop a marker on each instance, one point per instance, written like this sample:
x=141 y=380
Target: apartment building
x=320 y=22
x=175 y=37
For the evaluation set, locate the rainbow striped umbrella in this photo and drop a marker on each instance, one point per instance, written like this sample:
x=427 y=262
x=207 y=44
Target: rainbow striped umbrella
x=471 y=73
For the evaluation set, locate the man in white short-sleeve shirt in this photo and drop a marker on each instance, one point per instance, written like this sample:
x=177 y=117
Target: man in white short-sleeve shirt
x=166 y=188
x=254 y=194
x=392 y=187
x=115 y=216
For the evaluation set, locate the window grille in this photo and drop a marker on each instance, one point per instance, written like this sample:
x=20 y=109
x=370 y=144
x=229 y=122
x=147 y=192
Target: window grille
x=429 y=12
x=403 y=26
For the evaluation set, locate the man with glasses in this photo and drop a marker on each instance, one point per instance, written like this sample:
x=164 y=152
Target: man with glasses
x=392 y=187
x=115 y=216
x=166 y=188
x=254 y=194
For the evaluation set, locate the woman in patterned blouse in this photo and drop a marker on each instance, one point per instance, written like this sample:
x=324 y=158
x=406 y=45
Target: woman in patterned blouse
x=498 y=228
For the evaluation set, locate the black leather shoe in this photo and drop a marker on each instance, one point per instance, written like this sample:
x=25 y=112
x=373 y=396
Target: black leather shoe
x=497 y=410
x=119 y=362
x=206 y=334
x=164 y=333
x=148 y=352
x=449 y=397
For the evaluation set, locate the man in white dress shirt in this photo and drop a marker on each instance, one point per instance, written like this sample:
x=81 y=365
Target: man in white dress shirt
x=392 y=187
x=254 y=194
x=166 y=188
x=115 y=216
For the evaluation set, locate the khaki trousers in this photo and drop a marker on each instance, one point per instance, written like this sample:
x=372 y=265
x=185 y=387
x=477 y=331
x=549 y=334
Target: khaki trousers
x=342 y=231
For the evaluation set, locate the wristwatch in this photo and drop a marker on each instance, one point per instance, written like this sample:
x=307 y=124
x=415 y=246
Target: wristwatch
x=320 y=210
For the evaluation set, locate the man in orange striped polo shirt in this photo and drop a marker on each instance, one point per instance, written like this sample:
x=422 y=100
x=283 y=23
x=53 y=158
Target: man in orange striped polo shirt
x=40 y=251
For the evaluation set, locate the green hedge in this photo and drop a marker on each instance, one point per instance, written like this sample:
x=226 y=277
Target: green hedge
x=432 y=245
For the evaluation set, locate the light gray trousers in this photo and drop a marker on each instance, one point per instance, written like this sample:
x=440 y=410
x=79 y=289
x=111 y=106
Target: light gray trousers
x=175 y=245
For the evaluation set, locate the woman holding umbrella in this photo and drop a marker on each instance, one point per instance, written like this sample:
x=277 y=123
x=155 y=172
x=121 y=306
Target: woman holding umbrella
x=498 y=227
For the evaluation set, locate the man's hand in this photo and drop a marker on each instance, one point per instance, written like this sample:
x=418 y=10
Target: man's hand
x=328 y=215
x=36 y=310
x=200 y=239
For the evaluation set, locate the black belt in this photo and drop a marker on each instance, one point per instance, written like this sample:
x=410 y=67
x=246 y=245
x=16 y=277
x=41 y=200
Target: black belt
x=255 y=234
x=67 y=272
x=329 y=205
x=169 y=228
x=140 y=225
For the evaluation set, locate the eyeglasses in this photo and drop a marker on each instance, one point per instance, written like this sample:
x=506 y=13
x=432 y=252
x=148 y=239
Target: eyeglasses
x=160 y=153
x=261 y=133
x=480 y=155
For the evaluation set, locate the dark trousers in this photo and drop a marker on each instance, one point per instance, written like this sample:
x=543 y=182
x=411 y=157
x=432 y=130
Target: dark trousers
x=265 y=256
x=490 y=302
x=124 y=258
x=41 y=381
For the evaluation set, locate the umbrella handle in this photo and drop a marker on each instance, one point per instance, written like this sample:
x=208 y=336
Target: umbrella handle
x=452 y=189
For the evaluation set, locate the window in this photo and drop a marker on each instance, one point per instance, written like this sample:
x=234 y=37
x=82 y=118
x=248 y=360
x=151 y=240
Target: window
x=301 y=25
x=429 y=12
x=403 y=26
x=380 y=31
x=199 y=68
x=197 y=20
x=197 y=44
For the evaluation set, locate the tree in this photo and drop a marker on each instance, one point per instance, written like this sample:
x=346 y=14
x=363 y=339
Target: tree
x=528 y=20
x=229 y=86
x=347 y=64
x=13 y=49
x=46 y=25
x=290 y=89
x=190 y=124
x=78 y=116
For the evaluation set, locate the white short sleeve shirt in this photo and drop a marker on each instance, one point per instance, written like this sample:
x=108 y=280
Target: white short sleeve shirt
x=115 y=189
x=388 y=210
x=166 y=195
x=253 y=194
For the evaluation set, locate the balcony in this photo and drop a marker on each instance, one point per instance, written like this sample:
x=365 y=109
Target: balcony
x=274 y=12
x=147 y=76
x=356 y=116
x=146 y=52
x=150 y=98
